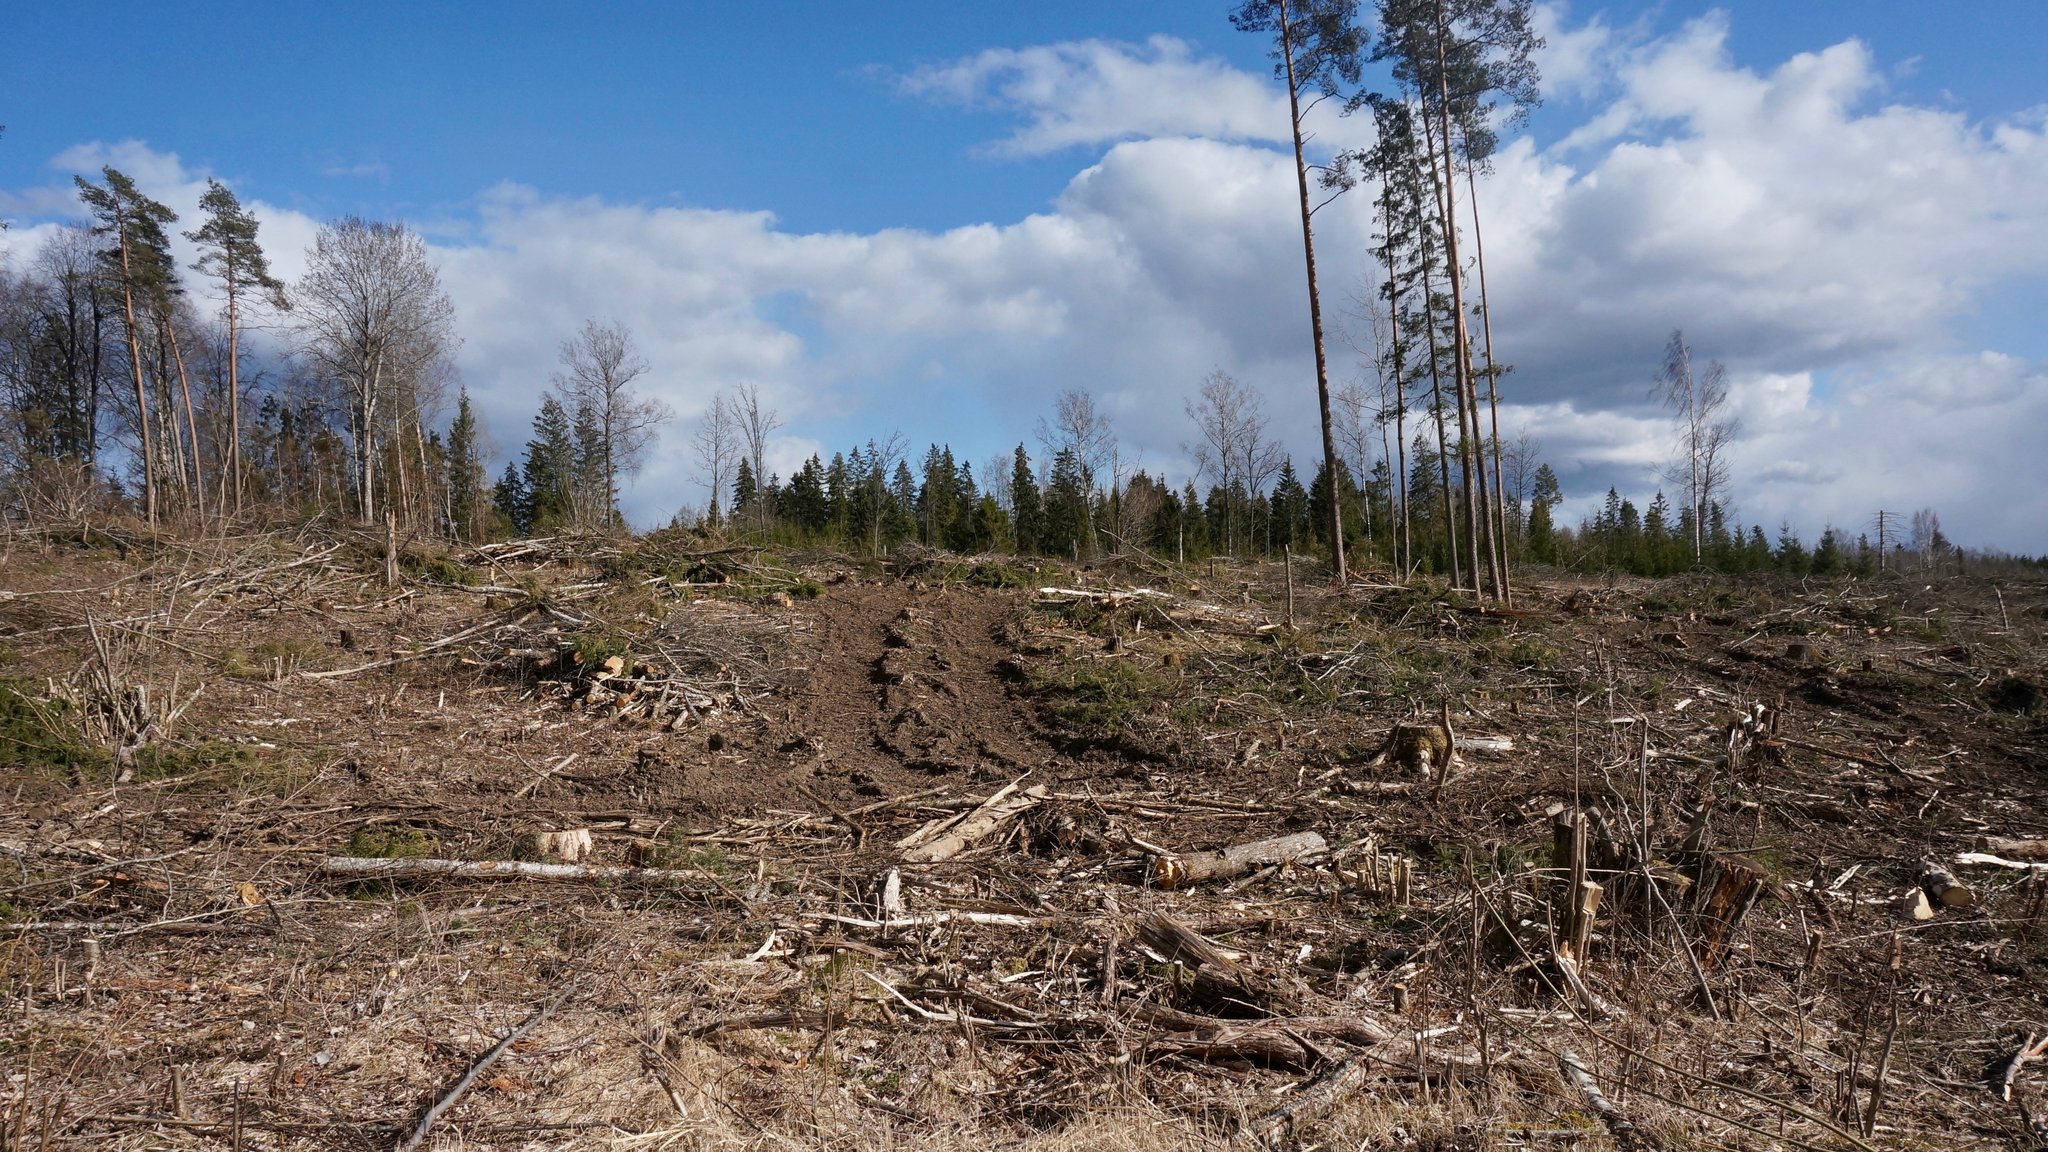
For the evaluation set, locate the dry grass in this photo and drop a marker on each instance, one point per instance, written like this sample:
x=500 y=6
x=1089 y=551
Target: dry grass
x=168 y=938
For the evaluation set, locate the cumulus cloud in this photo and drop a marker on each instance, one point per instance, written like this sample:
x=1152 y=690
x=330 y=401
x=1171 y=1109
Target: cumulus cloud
x=1098 y=92
x=1821 y=241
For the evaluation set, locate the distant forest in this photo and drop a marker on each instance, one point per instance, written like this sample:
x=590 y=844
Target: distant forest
x=122 y=394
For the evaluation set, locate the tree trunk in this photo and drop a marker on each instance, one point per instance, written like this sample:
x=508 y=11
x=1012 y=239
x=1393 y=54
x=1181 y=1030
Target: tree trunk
x=1403 y=546
x=1502 y=581
x=1443 y=448
x=234 y=454
x=141 y=393
x=1462 y=358
x=1335 y=523
x=1190 y=868
x=191 y=421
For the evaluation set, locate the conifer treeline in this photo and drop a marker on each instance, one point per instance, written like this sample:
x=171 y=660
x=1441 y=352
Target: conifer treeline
x=102 y=346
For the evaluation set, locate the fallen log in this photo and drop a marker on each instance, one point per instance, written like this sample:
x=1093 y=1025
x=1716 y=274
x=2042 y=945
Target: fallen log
x=2019 y=849
x=375 y=868
x=1494 y=745
x=1184 y=870
x=1358 y=1031
x=1217 y=979
x=928 y=919
x=976 y=824
x=1987 y=858
x=1943 y=888
x=1335 y=1083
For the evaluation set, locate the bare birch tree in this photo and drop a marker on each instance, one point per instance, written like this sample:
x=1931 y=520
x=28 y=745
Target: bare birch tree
x=755 y=425
x=716 y=443
x=1233 y=451
x=1699 y=404
x=373 y=318
x=1080 y=426
x=599 y=367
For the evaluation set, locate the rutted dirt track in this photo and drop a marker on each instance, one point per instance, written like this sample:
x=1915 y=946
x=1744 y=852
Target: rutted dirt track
x=913 y=684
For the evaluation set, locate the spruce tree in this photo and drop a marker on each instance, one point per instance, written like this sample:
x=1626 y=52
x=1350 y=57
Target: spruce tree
x=508 y=500
x=466 y=479
x=548 y=476
x=1028 y=515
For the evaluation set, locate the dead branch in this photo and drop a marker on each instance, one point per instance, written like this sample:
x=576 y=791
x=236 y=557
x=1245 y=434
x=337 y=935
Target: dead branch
x=976 y=824
x=477 y=1069
x=2034 y=1046
x=417 y=868
x=1624 y=1130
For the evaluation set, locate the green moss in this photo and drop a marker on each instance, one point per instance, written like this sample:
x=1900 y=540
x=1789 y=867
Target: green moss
x=390 y=842
x=438 y=568
x=678 y=851
x=169 y=761
x=1098 y=694
x=38 y=735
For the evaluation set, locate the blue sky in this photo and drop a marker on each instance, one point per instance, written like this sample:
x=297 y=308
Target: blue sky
x=945 y=208
x=411 y=109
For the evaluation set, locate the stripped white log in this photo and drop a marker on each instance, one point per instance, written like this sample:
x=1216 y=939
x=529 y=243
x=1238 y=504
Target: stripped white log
x=1988 y=859
x=1185 y=869
x=1493 y=745
x=371 y=868
x=929 y=919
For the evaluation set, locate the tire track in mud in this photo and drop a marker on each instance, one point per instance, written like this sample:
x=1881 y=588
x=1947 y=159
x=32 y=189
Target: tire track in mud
x=911 y=688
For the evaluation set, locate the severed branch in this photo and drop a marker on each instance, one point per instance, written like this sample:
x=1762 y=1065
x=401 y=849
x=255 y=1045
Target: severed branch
x=477 y=1069
x=1334 y=1084
x=1623 y=1129
x=374 y=868
x=2035 y=1045
x=977 y=824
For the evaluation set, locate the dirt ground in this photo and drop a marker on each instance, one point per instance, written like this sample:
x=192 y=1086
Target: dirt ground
x=780 y=946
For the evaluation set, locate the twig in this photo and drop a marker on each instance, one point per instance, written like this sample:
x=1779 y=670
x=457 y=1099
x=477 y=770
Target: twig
x=2035 y=1045
x=449 y=1098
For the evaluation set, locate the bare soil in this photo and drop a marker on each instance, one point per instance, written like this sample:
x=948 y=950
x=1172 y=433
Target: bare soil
x=778 y=735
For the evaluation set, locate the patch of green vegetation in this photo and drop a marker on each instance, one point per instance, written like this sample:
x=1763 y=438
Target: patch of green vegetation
x=1924 y=628
x=590 y=649
x=439 y=568
x=1771 y=859
x=990 y=574
x=680 y=852
x=1421 y=594
x=175 y=760
x=806 y=589
x=37 y=735
x=1098 y=694
x=1532 y=652
x=390 y=842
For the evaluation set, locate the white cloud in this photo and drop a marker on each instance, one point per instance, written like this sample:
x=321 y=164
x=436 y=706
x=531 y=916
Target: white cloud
x=1098 y=92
